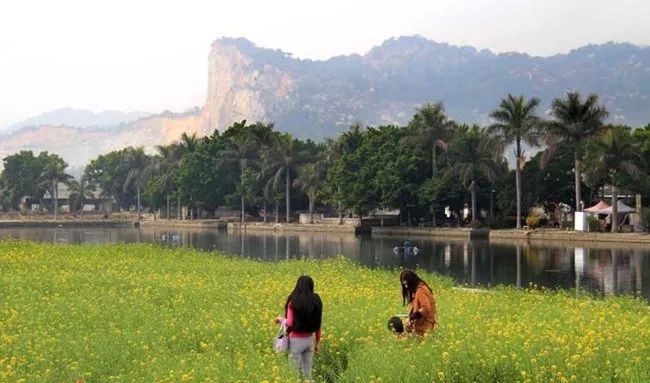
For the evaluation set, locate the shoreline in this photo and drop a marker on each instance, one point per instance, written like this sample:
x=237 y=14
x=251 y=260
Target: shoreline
x=64 y=223
x=569 y=236
x=493 y=236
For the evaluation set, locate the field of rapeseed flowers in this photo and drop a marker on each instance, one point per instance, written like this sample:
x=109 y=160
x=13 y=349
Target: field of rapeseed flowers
x=140 y=313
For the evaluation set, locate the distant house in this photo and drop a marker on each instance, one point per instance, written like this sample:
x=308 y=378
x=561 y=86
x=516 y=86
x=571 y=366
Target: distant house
x=91 y=204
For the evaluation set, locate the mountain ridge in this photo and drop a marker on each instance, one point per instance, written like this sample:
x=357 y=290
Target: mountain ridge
x=321 y=98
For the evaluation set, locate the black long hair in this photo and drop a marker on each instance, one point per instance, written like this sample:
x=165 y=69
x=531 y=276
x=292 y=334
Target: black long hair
x=307 y=306
x=413 y=281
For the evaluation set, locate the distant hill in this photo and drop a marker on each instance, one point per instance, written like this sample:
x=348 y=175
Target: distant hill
x=316 y=99
x=80 y=118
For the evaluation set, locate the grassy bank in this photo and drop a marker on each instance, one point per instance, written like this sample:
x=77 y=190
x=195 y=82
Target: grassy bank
x=139 y=313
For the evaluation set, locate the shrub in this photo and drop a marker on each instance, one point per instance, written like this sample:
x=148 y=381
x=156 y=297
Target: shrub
x=593 y=222
x=532 y=221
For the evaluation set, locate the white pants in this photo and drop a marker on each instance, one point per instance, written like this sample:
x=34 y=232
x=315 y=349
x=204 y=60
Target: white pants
x=301 y=354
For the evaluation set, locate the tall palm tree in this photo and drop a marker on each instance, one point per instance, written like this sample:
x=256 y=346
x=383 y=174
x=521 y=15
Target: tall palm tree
x=310 y=181
x=53 y=174
x=473 y=154
x=285 y=153
x=242 y=148
x=138 y=170
x=170 y=158
x=347 y=143
x=618 y=156
x=188 y=144
x=516 y=122
x=333 y=152
x=431 y=129
x=575 y=122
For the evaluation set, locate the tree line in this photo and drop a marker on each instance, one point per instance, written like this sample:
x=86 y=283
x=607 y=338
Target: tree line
x=431 y=164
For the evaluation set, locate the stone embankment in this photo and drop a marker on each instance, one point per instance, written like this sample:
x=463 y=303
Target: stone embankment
x=546 y=235
x=405 y=231
x=502 y=236
x=194 y=223
x=293 y=227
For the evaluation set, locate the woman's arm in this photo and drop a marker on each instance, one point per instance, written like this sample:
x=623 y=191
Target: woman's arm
x=422 y=303
x=289 y=321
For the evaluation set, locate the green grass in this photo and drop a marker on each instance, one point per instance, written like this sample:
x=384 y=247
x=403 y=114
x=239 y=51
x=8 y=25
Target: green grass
x=140 y=313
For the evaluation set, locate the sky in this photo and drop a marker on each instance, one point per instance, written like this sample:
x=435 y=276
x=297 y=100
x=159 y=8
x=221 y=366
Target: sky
x=151 y=55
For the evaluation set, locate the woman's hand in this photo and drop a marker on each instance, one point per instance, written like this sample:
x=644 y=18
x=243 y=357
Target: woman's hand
x=278 y=320
x=317 y=346
x=415 y=316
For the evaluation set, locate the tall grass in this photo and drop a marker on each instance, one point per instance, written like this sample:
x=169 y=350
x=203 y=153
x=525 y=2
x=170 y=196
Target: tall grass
x=140 y=313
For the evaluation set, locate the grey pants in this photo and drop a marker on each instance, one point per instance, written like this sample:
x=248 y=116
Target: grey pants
x=301 y=354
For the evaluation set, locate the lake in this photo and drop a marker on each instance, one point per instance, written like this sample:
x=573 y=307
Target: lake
x=595 y=268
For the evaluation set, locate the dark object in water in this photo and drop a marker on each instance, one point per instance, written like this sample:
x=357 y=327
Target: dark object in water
x=395 y=325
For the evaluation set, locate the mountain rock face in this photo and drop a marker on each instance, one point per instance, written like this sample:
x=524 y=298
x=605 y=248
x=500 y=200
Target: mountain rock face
x=79 y=145
x=384 y=86
x=315 y=99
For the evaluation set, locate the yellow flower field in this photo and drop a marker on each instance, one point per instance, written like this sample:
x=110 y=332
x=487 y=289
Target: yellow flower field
x=141 y=313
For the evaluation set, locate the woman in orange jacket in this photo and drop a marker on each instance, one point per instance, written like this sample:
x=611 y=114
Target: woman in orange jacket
x=419 y=296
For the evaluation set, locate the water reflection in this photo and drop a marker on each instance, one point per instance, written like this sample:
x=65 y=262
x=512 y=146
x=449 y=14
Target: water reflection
x=605 y=270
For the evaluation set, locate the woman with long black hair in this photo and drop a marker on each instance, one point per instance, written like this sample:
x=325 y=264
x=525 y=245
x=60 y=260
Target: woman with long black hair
x=303 y=311
x=419 y=296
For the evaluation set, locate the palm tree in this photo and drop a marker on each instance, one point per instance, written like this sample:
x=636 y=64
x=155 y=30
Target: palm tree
x=53 y=174
x=170 y=158
x=284 y=152
x=188 y=144
x=618 y=155
x=516 y=122
x=346 y=143
x=431 y=130
x=575 y=123
x=474 y=154
x=138 y=170
x=310 y=181
x=81 y=190
x=242 y=148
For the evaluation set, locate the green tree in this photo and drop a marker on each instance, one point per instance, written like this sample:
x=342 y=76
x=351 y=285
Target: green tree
x=575 y=122
x=346 y=144
x=137 y=166
x=52 y=175
x=284 y=152
x=310 y=181
x=430 y=129
x=188 y=145
x=244 y=144
x=474 y=154
x=20 y=176
x=79 y=192
x=169 y=157
x=108 y=172
x=516 y=122
x=619 y=157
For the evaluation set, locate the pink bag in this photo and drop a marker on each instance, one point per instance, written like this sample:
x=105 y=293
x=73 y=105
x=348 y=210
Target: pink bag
x=282 y=339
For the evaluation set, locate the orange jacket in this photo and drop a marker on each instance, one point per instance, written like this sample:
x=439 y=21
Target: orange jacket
x=425 y=302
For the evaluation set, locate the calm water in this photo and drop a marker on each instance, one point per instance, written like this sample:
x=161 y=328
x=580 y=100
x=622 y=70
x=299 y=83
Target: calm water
x=593 y=268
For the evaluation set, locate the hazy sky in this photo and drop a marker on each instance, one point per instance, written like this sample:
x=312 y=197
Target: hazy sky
x=152 y=55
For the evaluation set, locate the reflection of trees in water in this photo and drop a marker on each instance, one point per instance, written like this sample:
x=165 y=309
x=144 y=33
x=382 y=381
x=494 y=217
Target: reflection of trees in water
x=605 y=270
